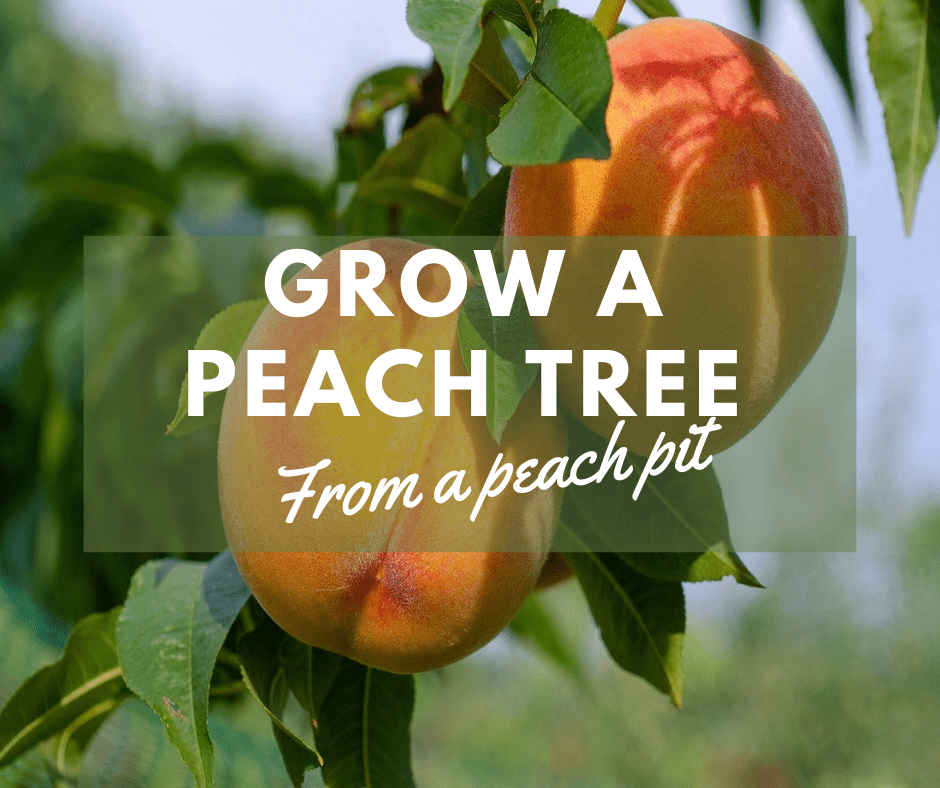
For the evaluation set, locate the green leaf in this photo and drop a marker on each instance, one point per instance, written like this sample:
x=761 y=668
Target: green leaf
x=756 y=7
x=357 y=151
x=108 y=176
x=278 y=187
x=85 y=682
x=505 y=340
x=491 y=79
x=534 y=624
x=268 y=188
x=828 y=19
x=382 y=91
x=485 y=213
x=454 y=30
x=424 y=170
x=227 y=331
x=520 y=49
x=363 y=729
x=558 y=113
x=656 y=8
x=677 y=529
x=213 y=156
x=71 y=743
x=904 y=54
x=518 y=12
x=311 y=673
x=641 y=620
x=174 y=622
x=475 y=124
x=267 y=682
x=874 y=8
x=713 y=564
x=50 y=247
x=363 y=218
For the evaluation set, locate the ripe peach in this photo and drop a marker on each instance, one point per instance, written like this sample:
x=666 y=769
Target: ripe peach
x=712 y=135
x=404 y=589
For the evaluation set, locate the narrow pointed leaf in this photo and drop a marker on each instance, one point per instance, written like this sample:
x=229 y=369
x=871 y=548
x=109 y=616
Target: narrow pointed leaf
x=227 y=331
x=677 y=529
x=641 y=620
x=311 y=673
x=71 y=743
x=534 y=624
x=505 y=340
x=485 y=213
x=173 y=624
x=756 y=7
x=380 y=92
x=656 y=8
x=904 y=55
x=828 y=19
x=363 y=730
x=57 y=695
x=454 y=30
x=267 y=682
x=424 y=170
x=713 y=564
x=109 y=176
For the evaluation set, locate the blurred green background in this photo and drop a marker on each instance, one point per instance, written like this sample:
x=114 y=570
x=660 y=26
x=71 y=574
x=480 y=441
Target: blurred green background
x=828 y=678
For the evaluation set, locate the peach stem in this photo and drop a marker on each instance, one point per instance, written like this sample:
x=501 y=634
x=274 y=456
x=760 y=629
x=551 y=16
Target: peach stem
x=606 y=16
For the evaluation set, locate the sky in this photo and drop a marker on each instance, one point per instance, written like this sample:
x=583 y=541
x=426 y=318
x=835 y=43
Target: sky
x=288 y=68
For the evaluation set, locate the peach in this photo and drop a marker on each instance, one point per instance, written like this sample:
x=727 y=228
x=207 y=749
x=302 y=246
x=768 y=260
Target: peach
x=405 y=588
x=712 y=135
